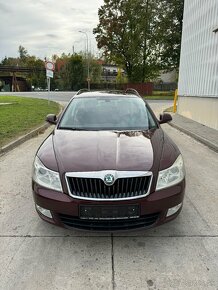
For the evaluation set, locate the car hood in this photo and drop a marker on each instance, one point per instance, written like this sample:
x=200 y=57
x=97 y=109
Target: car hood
x=102 y=150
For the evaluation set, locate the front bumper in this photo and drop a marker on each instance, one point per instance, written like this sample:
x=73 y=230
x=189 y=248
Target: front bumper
x=153 y=209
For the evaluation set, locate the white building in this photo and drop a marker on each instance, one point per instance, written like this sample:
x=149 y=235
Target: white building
x=198 y=75
x=169 y=77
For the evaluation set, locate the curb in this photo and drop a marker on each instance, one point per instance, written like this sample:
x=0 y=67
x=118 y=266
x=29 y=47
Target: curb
x=202 y=140
x=23 y=138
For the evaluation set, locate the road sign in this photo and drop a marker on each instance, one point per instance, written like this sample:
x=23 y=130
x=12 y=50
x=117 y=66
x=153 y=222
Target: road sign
x=49 y=73
x=50 y=65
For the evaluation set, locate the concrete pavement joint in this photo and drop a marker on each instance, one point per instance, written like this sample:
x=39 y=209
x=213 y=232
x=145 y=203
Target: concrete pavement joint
x=14 y=255
x=112 y=262
x=187 y=197
x=117 y=236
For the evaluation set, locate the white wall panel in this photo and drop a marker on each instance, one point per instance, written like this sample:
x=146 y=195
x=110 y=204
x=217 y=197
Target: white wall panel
x=198 y=74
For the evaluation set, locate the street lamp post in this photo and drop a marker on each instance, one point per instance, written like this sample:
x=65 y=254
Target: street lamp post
x=87 y=47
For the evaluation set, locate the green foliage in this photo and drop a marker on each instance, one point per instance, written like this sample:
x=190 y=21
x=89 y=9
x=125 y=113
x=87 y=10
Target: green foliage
x=10 y=61
x=169 y=110
x=22 y=115
x=131 y=33
x=95 y=70
x=62 y=75
x=170 y=31
x=164 y=93
x=159 y=97
x=23 y=54
x=70 y=76
x=70 y=73
x=120 y=79
x=75 y=68
x=37 y=78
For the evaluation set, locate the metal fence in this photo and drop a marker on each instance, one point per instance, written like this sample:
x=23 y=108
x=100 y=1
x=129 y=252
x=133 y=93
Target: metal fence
x=142 y=88
x=165 y=87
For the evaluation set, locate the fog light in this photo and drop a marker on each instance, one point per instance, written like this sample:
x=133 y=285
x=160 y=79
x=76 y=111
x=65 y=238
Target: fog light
x=174 y=209
x=44 y=211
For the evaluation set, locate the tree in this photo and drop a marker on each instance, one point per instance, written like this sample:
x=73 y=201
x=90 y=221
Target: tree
x=120 y=79
x=170 y=31
x=95 y=70
x=71 y=71
x=37 y=77
x=126 y=34
x=76 y=70
x=12 y=61
x=129 y=33
x=23 y=54
x=62 y=74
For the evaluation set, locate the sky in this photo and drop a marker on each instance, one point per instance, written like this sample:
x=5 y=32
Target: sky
x=46 y=27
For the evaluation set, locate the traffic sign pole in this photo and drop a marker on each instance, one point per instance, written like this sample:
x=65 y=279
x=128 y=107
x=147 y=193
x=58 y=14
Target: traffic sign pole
x=50 y=66
x=49 y=88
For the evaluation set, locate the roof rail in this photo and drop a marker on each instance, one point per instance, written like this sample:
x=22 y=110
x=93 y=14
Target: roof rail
x=132 y=91
x=82 y=91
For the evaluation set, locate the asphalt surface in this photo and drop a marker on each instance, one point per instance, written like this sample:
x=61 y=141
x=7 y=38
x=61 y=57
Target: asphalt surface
x=53 y=96
x=182 y=254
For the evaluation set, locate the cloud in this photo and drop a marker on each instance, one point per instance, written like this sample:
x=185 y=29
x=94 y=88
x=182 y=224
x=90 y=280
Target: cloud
x=51 y=35
x=46 y=27
x=4 y=8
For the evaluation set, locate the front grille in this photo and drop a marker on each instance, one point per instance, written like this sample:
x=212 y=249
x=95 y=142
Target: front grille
x=109 y=225
x=95 y=188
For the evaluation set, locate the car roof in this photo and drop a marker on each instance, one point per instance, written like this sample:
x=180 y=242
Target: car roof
x=106 y=94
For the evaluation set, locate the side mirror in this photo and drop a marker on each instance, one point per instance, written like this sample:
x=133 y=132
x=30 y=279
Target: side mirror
x=51 y=118
x=165 y=118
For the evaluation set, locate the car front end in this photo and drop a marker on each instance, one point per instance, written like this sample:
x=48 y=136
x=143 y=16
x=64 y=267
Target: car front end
x=108 y=180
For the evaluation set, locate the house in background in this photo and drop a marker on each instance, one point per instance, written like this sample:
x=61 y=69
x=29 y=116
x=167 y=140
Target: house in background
x=109 y=72
x=198 y=74
x=169 y=77
x=166 y=81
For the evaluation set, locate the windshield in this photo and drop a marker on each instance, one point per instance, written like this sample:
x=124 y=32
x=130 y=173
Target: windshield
x=107 y=113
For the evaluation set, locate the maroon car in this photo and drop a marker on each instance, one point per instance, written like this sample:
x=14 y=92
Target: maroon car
x=108 y=165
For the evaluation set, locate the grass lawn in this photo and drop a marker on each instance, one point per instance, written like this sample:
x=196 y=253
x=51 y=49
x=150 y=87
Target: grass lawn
x=22 y=115
x=156 y=97
x=161 y=95
x=169 y=110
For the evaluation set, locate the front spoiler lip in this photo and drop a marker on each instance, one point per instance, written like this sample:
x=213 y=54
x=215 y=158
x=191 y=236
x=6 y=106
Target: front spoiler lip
x=160 y=221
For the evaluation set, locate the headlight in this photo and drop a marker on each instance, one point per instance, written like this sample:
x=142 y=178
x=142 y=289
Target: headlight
x=46 y=177
x=172 y=175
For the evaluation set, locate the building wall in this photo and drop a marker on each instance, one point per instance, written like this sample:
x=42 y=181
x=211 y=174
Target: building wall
x=202 y=110
x=169 y=77
x=198 y=75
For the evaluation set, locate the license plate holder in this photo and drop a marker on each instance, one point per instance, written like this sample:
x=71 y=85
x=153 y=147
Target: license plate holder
x=110 y=212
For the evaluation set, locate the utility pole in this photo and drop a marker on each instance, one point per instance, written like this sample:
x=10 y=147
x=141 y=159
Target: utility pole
x=87 y=47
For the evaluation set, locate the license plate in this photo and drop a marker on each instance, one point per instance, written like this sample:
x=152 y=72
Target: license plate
x=96 y=212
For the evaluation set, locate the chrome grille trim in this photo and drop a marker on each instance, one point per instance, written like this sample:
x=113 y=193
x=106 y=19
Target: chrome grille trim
x=100 y=176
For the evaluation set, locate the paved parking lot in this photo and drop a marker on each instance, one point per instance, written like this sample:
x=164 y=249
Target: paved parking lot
x=182 y=254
